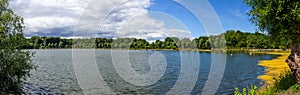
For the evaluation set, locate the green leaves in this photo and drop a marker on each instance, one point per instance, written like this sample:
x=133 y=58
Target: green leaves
x=250 y=90
x=234 y=39
x=277 y=17
x=15 y=64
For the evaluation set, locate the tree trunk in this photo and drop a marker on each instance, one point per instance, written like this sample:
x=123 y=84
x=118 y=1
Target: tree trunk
x=294 y=58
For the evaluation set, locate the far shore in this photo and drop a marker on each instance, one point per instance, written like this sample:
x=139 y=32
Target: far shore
x=269 y=51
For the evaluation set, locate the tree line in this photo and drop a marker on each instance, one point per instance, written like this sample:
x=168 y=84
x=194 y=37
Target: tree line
x=234 y=40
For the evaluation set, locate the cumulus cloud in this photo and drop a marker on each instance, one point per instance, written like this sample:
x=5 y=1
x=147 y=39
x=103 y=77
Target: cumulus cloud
x=141 y=26
x=129 y=18
x=48 y=17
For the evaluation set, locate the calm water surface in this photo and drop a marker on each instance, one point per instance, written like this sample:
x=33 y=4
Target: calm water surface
x=55 y=73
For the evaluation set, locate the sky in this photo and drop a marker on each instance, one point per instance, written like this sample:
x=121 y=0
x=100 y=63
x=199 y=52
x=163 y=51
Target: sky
x=147 y=19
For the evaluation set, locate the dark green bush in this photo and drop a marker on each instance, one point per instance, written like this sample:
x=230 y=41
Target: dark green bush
x=283 y=83
x=15 y=65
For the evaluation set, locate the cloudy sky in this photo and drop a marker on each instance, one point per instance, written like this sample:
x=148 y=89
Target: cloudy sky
x=148 y=19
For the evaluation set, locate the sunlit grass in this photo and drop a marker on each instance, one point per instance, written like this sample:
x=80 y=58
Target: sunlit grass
x=274 y=67
x=278 y=77
x=283 y=85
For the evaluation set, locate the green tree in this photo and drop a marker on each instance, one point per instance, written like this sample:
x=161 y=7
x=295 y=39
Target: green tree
x=60 y=44
x=15 y=64
x=158 y=44
x=185 y=43
x=280 y=18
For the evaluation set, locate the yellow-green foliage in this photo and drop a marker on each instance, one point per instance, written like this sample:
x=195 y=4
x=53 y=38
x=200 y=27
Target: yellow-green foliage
x=282 y=83
x=274 y=67
x=246 y=91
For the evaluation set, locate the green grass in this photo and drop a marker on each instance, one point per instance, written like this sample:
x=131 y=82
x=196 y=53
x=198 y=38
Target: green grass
x=283 y=83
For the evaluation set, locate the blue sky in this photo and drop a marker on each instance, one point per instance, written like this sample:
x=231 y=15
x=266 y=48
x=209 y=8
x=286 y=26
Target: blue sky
x=231 y=13
x=148 y=19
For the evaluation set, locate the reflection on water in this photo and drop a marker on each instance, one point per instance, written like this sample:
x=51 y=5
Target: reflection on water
x=55 y=72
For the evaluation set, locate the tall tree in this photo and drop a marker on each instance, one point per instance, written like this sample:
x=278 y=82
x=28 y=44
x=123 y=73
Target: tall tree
x=280 y=18
x=15 y=64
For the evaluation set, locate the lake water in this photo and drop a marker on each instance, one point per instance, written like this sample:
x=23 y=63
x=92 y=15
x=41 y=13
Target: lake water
x=56 y=73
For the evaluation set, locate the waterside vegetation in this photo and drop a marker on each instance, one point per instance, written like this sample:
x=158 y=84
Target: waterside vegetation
x=15 y=63
x=278 y=78
x=234 y=40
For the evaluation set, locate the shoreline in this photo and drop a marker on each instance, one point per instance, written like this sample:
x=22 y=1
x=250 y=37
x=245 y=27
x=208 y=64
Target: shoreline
x=274 y=67
x=265 y=51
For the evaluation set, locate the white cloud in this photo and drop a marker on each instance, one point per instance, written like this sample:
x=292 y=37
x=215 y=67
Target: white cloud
x=237 y=13
x=61 y=17
x=48 y=17
x=141 y=26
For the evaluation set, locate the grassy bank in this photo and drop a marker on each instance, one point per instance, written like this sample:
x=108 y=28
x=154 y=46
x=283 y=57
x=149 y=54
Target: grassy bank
x=285 y=84
x=274 y=68
x=279 y=79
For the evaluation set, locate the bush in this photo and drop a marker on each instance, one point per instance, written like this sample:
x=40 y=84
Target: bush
x=15 y=65
x=283 y=83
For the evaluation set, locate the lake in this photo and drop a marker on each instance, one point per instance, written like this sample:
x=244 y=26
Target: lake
x=56 y=73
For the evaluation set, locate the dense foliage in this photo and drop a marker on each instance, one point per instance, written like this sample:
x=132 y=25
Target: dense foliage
x=15 y=64
x=280 y=18
x=282 y=84
x=238 y=39
x=234 y=39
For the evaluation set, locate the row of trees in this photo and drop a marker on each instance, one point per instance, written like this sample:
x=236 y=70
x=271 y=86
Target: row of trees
x=234 y=39
x=36 y=42
x=238 y=39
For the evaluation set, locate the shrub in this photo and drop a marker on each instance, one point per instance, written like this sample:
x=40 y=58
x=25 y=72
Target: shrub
x=15 y=65
x=283 y=83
